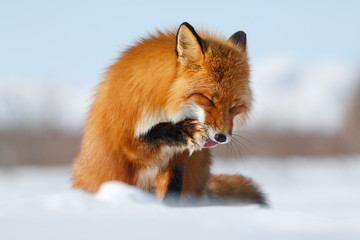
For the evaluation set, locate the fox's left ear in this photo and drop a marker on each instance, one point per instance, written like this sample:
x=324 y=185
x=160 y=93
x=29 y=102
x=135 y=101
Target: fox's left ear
x=189 y=45
x=239 y=38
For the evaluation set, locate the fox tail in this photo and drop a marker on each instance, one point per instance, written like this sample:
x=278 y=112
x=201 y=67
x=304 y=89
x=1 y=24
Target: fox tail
x=234 y=189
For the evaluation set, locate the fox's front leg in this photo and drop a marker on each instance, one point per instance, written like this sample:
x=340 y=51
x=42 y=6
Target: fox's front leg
x=185 y=135
x=188 y=135
x=185 y=177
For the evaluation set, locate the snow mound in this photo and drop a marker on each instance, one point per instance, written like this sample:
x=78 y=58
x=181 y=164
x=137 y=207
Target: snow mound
x=119 y=193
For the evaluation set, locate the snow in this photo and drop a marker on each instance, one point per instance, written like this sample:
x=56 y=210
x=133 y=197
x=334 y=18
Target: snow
x=310 y=198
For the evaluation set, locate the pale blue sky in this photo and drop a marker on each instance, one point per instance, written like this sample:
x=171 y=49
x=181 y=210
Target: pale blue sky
x=74 y=41
x=304 y=55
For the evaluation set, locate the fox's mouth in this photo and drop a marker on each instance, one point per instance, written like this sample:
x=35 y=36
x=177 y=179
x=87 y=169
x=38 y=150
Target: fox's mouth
x=210 y=143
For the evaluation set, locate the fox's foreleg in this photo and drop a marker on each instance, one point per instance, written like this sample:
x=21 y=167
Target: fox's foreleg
x=183 y=138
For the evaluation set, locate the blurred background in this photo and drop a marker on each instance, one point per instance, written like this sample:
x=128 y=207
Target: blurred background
x=304 y=55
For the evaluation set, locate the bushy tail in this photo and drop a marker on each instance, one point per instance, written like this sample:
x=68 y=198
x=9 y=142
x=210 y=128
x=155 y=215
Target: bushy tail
x=234 y=189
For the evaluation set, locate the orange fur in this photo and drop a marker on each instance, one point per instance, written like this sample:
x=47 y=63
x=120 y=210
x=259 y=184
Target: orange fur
x=149 y=84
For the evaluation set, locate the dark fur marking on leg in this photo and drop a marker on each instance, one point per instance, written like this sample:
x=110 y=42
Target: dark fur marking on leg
x=174 y=189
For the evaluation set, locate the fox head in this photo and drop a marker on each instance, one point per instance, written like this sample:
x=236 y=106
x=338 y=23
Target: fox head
x=212 y=84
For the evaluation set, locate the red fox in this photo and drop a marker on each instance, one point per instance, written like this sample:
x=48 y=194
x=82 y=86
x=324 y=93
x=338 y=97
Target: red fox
x=162 y=105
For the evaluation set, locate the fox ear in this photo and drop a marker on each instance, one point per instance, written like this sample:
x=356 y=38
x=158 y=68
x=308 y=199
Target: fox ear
x=239 y=38
x=189 y=46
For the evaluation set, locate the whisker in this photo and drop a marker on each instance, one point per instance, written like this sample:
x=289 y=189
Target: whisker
x=237 y=150
x=240 y=144
x=248 y=140
x=226 y=152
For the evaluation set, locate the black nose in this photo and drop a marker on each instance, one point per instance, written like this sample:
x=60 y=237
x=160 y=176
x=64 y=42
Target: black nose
x=220 y=137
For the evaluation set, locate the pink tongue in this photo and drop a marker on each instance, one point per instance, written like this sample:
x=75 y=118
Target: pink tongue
x=210 y=143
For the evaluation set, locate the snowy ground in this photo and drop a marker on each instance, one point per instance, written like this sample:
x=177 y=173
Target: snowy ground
x=309 y=198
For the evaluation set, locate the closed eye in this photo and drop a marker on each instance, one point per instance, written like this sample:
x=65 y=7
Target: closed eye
x=211 y=102
x=205 y=97
x=238 y=109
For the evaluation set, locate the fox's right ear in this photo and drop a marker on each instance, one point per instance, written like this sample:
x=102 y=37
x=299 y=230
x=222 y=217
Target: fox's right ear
x=239 y=38
x=189 y=45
